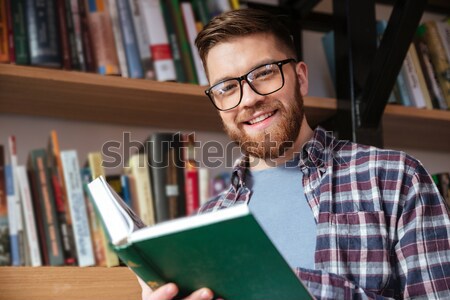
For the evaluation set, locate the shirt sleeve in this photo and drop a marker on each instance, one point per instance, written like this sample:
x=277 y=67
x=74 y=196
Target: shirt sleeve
x=421 y=253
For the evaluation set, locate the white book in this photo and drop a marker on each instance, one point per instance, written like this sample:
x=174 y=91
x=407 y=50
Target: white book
x=203 y=181
x=12 y=216
x=142 y=39
x=77 y=207
x=191 y=30
x=31 y=234
x=159 y=41
x=118 y=38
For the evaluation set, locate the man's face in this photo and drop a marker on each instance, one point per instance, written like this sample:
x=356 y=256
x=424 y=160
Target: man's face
x=264 y=126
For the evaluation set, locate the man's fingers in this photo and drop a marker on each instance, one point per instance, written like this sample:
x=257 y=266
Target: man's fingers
x=165 y=292
x=201 y=294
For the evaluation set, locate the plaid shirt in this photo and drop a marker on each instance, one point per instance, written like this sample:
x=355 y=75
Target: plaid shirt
x=382 y=227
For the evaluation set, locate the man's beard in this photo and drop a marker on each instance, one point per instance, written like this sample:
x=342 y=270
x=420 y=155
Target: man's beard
x=273 y=142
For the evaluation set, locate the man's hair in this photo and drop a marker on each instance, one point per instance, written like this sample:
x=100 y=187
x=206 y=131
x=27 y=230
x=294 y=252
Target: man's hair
x=242 y=22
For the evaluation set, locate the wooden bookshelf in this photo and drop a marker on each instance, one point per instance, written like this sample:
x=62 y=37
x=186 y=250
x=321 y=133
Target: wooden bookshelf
x=55 y=283
x=91 y=97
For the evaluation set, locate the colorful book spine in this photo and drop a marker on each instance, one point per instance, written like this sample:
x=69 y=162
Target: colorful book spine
x=43 y=37
x=86 y=37
x=159 y=43
x=78 y=211
x=20 y=32
x=45 y=209
x=176 y=16
x=5 y=248
x=4 y=47
x=30 y=220
x=10 y=24
x=71 y=34
x=126 y=192
x=63 y=34
x=201 y=10
x=102 y=37
x=191 y=31
x=130 y=42
x=118 y=38
x=142 y=39
x=425 y=101
x=191 y=176
x=12 y=219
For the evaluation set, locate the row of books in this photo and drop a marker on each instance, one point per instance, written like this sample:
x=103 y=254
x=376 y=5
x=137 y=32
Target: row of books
x=133 y=38
x=46 y=214
x=424 y=78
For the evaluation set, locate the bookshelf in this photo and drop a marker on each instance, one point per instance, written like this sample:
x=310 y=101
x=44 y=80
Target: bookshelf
x=91 y=97
x=68 y=283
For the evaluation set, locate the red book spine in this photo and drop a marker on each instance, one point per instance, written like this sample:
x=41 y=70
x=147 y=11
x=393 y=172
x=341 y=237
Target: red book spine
x=9 y=20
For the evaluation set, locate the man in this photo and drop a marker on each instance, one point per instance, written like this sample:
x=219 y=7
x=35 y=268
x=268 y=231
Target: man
x=353 y=221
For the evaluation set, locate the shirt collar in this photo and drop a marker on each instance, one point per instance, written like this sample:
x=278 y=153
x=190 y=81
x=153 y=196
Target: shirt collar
x=315 y=153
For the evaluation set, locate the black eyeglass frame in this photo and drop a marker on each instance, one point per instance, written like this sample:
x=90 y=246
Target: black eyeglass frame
x=244 y=77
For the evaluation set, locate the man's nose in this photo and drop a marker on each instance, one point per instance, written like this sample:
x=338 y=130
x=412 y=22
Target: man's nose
x=249 y=96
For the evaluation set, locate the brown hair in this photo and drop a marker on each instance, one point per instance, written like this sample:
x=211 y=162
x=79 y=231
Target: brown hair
x=238 y=23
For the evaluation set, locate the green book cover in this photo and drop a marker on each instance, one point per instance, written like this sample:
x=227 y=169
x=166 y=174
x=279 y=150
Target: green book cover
x=226 y=250
x=20 y=32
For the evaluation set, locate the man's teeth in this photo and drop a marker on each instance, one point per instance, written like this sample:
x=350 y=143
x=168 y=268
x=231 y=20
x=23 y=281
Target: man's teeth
x=260 y=118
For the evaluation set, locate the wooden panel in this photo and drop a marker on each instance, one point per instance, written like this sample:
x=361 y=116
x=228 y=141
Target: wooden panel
x=56 y=283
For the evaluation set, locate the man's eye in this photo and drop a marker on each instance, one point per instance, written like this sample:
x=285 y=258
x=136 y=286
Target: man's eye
x=227 y=89
x=264 y=74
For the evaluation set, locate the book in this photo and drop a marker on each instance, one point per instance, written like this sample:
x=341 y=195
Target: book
x=159 y=42
x=4 y=47
x=118 y=38
x=130 y=42
x=102 y=37
x=43 y=37
x=77 y=34
x=86 y=37
x=77 y=208
x=165 y=155
x=9 y=23
x=63 y=34
x=225 y=250
x=191 y=174
x=45 y=210
x=31 y=235
x=5 y=248
x=72 y=33
x=20 y=32
x=12 y=217
x=425 y=100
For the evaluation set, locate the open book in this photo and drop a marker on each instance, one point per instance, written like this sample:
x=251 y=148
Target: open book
x=226 y=251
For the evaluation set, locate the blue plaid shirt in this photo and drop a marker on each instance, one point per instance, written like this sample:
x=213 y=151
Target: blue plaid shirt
x=382 y=227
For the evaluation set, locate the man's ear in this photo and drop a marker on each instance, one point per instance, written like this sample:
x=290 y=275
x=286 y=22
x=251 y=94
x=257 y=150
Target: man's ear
x=302 y=76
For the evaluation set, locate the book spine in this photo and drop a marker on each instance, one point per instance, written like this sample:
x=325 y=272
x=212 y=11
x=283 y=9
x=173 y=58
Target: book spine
x=159 y=44
x=63 y=34
x=443 y=29
x=20 y=32
x=47 y=208
x=125 y=183
x=412 y=82
x=201 y=11
x=74 y=58
x=185 y=50
x=438 y=58
x=100 y=28
x=191 y=30
x=88 y=47
x=4 y=47
x=9 y=20
x=130 y=42
x=5 y=255
x=426 y=99
x=95 y=164
x=77 y=34
x=118 y=38
x=174 y=46
x=42 y=31
x=12 y=219
x=28 y=212
x=18 y=206
x=142 y=267
x=142 y=39
x=144 y=199
x=78 y=211
x=203 y=175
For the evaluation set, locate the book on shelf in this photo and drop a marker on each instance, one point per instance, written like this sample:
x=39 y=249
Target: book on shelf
x=77 y=33
x=222 y=250
x=86 y=37
x=5 y=248
x=20 y=32
x=16 y=259
x=78 y=211
x=4 y=47
x=63 y=34
x=43 y=37
x=72 y=33
x=118 y=38
x=10 y=32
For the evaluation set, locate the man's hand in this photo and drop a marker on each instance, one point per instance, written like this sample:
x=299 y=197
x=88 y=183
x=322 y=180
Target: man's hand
x=170 y=290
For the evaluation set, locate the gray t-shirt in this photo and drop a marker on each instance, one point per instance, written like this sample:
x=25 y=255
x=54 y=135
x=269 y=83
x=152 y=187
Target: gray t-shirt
x=278 y=203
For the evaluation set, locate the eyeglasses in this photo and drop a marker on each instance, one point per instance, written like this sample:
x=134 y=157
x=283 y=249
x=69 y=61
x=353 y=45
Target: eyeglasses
x=263 y=80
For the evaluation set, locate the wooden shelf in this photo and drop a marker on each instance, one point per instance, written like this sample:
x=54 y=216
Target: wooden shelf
x=91 y=97
x=55 y=283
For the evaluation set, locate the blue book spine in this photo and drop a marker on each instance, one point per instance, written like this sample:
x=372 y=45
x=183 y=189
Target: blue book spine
x=130 y=42
x=43 y=37
x=126 y=194
x=13 y=234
